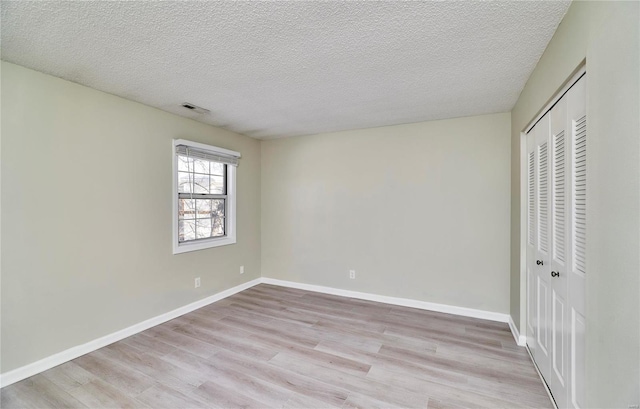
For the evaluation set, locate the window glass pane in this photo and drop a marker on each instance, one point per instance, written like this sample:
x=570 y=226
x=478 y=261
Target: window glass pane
x=184 y=186
x=185 y=164
x=186 y=209
x=217 y=208
x=186 y=230
x=217 y=226
x=204 y=208
x=217 y=168
x=203 y=228
x=200 y=183
x=200 y=166
x=217 y=185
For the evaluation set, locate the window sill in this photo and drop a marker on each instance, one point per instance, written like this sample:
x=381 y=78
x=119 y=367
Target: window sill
x=202 y=245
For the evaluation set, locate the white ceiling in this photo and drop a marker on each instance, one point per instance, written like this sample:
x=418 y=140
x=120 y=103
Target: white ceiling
x=275 y=69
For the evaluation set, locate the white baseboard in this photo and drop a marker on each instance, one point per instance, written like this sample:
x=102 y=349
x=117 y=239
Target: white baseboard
x=49 y=362
x=521 y=340
x=405 y=302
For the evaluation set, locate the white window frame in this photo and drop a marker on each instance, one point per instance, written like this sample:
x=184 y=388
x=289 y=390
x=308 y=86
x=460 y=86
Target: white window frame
x=230 y=211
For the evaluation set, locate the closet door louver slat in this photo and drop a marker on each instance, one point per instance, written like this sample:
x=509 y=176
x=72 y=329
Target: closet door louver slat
x=531 y=205
x=559 y=197
x=580 y=194
x=543 y=214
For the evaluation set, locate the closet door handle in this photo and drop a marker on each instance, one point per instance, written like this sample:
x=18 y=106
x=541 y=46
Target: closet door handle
x=555 y=274
x=539 y=262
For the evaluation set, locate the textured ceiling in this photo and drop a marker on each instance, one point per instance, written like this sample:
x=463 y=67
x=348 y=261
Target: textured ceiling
x=275 y=69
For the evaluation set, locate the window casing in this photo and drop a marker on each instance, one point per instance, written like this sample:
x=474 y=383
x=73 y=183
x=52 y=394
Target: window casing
x=204 y=196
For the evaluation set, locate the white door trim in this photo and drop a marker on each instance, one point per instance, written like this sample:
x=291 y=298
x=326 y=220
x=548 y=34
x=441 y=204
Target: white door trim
x=575 y=76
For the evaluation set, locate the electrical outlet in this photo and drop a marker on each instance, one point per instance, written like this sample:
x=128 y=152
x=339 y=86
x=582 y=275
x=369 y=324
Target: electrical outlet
x=352 y=274
x=197 y=282
x=241 y=269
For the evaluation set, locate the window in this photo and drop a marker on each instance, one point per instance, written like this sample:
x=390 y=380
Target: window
x=204 y=200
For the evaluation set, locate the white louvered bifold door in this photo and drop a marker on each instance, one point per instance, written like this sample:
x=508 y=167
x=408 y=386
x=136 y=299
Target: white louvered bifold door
x=556 y=242
x=543 y=244
x=559 y=349
x=576 y=247
x=532 y=242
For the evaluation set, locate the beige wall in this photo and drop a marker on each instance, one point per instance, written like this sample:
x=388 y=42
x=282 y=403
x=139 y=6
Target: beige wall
x=86 y=215
x=419 y=211
x=607 y=35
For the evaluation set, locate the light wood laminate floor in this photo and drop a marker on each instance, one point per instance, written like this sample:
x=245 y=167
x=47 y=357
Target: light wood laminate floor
x=277 y=347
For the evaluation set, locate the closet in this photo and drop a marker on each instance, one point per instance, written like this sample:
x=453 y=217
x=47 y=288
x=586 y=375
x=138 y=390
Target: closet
x=556 y=235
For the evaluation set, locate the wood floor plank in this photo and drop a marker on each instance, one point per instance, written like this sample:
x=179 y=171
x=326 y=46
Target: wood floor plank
x=226 y=338
x=224 y=398
x=164 y=397
x=189 y=362
x=436 y=404
x=147 y=343
x=478 y=379
x=457 y=343
x=497 y=364
x=68 y=376
x=272 y=328
x=38 y=392
x=438 y=331
x=532 y=397
x=405 y=365
x=15 y=397
x=282 y=314
x=333 y=330
x=274 y=347
x=361 y=401
x=354 y=305
x=268 y=394
x=462 y=367
x=502 y=334
x=181 y=341
x=118 y=374
x=303 y=384
x=155 y=368
x=277 y=291
x=298 y=401
x=329 y=360
x=99 y=394
x=347 y=345
x=351 y=382
x=442 y=392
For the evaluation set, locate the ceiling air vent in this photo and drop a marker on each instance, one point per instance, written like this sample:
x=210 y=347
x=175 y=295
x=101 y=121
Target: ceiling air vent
x=195 y=108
